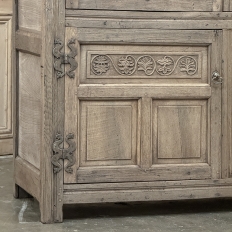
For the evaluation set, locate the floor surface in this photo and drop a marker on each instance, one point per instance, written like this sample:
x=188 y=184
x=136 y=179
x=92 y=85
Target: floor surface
x=189 y=216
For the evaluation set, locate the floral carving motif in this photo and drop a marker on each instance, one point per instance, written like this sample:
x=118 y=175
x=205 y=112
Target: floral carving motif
x=146 y=64
x=188 y=65
x=126 y=65
x=100 y=64
x=165 y=63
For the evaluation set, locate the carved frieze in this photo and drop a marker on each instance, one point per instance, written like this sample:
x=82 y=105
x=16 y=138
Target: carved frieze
x=144 y=65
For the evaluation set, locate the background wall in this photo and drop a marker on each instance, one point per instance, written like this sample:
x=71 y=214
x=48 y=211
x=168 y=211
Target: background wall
x=6 y=136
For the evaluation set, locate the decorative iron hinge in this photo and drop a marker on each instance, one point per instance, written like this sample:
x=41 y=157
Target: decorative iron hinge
x=63 y=153
x=62 y=58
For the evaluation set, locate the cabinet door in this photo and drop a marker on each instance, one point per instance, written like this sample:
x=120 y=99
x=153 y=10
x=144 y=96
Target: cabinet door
x=143 y=106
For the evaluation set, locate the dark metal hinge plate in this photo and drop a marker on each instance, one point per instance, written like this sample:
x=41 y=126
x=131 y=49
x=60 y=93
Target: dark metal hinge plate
x=62 y=58
x=63 y=153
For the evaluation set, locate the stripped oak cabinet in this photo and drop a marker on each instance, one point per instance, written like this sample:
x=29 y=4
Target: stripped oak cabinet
x=6 y=127
x=122 y=101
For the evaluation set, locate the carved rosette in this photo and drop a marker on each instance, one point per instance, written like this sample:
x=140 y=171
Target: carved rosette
x=100 y=64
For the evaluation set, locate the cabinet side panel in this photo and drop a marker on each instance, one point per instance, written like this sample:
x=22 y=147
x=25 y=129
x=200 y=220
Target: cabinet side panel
x=29 y=14
x=29 y=128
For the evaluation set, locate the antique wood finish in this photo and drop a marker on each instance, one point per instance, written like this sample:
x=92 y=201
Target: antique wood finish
x=6 y=128
x=153 y=5
x=122 y=101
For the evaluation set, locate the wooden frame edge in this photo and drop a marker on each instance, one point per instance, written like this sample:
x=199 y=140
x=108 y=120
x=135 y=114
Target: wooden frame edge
x=27 y=177
x=28 y=41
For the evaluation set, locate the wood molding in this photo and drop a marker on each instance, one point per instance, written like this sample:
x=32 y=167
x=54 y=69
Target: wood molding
x=6 y=131
x=79 y=197
x=148 y=15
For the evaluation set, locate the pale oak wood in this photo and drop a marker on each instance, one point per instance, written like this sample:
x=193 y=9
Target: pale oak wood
x=29 y=14
x=28 y=41
x=6 y=127
x=6 y=77
x=88 y=104
x=147 y=195
x=148 y=23
x=6 y=7
x=72 y=118
x=53 y=15
x=28 y=177
x=72 y=14
x=146 y=185
x=6 y=146
x=30 y=106
x=152 y=5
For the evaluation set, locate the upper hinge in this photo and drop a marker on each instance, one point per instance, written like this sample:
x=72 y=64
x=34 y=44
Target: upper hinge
x=62 y=58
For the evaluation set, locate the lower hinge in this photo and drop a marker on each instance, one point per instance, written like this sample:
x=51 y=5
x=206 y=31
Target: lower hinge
x=63 y=153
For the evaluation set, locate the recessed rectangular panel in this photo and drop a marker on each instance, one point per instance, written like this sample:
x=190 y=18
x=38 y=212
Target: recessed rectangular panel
x=4 y=78
x=30 y=109
x=29 y=14
x=108 y=132
x=141 y=64
x=179 y=131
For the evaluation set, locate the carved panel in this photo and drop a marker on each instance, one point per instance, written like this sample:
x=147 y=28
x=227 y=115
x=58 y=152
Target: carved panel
x=151 y=64
x=145 y=65
x=108 y=132
x=179 y=131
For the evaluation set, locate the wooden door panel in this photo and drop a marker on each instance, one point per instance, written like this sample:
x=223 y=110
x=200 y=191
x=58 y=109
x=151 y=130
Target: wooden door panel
x=109 y=133
x=179 y=129
x=141 y=109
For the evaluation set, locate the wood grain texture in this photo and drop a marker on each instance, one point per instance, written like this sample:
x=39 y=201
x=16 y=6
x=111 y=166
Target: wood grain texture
x=226 y=103
x=53 y=107
x=152 y=5
x=27 y=177
x=135 y=173
x=29 y=14
x=227 y=5
x=180 y=131
x=132 y=91
x=30 y=106
x=72 y=103
x=147 y=195
x=147 y=185
x=108 y=133
x=6 y=7
x=5 y=77
x=216 y=110
x=120 y=15
x=162 y=23
x=6 y=146
x=144 y=36
x=28 y=41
